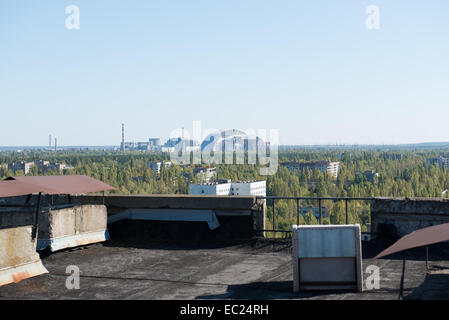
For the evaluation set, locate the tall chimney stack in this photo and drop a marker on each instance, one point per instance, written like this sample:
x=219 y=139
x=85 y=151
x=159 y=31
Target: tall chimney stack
x=122 y=147
x=49 y=141
x=56 y=144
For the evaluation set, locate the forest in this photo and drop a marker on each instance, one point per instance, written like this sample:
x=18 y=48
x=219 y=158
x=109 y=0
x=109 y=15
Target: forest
x=401 y=173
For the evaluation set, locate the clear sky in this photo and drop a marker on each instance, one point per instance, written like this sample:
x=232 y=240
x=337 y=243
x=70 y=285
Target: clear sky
x=310 y=69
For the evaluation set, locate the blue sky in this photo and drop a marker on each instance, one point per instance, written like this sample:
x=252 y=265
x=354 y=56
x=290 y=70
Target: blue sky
x=310 y=69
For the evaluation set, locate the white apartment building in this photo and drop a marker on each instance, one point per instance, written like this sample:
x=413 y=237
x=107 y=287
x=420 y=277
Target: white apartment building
x=323 y=166
x=249 y=188
x=156 y=165
x=211 y=189
x=243 y=188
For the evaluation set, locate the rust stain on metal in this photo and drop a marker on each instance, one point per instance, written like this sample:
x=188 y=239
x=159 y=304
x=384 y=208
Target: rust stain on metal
x=418 y=238
x=70 y=184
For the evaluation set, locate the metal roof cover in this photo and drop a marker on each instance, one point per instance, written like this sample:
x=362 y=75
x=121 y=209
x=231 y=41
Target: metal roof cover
x=69 y=184
x=12 y=188
x=418 y=238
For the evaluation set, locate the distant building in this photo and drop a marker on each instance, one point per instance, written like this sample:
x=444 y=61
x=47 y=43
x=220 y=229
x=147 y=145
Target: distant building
x=42 y=166
x=157 y=165
x=249 y=188
x=370 y=175
x=233 y=140
x=129 y=146
x=228 y=188
x=20 y=166
x=441 y=161
x=59 y=167
x=143 y=146
x=185 y=145
x=323 y=166
x=315 y=211
x=204 y=174
x=394 y=156
x=154 y=144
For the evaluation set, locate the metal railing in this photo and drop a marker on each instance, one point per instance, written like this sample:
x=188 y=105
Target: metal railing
x=298 y=207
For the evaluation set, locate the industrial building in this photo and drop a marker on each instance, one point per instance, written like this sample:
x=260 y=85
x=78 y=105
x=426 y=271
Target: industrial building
x=228 y=188
x=324 y=166
x=180 y=144
x=153 y=144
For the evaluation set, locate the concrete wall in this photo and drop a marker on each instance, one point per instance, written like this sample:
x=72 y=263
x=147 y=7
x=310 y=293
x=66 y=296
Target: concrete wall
x=72 y=226
x=18 y=257
x=396 y=217
x=72 y=220
x=18 y=247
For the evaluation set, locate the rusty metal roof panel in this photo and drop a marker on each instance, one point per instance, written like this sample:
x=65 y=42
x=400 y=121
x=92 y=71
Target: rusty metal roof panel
x=12 y=188
x=418 y=238
x=69 y=184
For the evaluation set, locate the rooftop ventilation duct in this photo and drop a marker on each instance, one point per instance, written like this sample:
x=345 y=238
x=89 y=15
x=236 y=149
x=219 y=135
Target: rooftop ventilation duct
x=327 y=257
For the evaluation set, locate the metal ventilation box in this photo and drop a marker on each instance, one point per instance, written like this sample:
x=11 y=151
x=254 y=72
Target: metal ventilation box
x=327 y=257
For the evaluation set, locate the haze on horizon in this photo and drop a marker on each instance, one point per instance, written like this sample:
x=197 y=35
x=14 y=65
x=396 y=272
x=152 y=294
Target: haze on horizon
x=312 y=70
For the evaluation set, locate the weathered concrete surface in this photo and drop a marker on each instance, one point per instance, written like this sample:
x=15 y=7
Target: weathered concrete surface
x=60 y=226
x=396 y=217
x=72 y=226
x=160 y=270
x=435 y=286
x=18 y=257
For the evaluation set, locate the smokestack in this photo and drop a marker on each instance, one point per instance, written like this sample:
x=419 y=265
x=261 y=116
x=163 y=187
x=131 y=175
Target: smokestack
x=56 y=144
x=123 y=137
x=49 y=141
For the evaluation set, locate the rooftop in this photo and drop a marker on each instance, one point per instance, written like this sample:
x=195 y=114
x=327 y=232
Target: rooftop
x=250 y=269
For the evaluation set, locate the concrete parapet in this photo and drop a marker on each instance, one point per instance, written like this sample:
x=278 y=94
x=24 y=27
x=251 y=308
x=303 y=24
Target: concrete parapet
x=238 y=216
x=172 y=201
x=72 y=226
x=18 y=257
x=396 y=217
